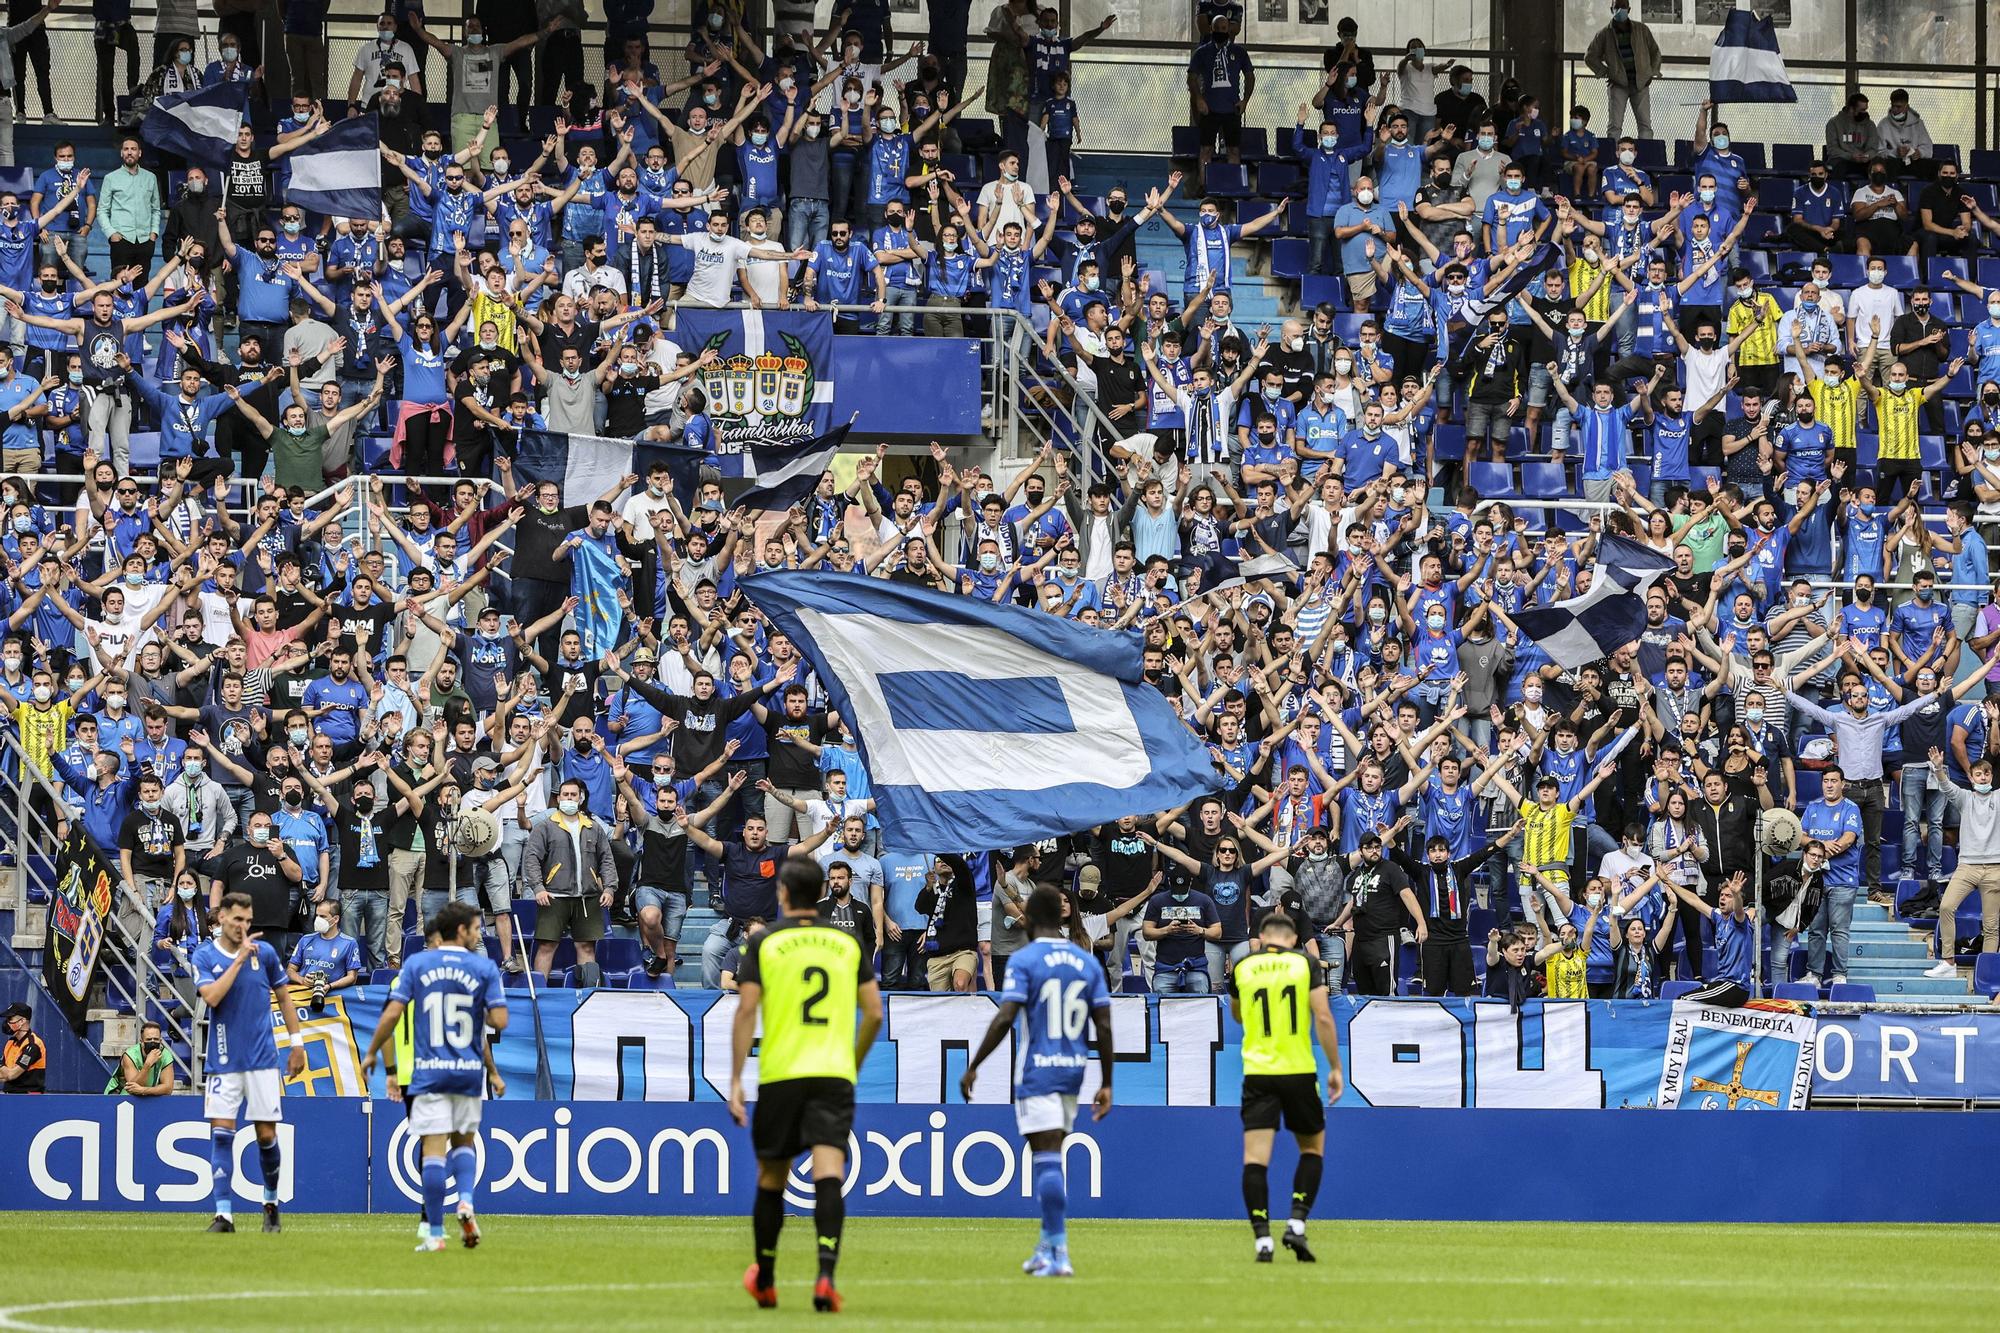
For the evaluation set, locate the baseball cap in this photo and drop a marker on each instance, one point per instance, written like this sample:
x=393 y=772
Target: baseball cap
x=486 y=763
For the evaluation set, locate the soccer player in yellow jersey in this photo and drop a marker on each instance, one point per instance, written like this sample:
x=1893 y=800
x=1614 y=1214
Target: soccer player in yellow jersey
x=807 y=978
x=1278 y=994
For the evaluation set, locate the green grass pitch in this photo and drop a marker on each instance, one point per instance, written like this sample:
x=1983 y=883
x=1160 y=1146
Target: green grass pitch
x=151 y=1271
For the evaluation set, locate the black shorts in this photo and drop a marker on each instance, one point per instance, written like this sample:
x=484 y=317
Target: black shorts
x=1224 y=129
x=795 y=1114
x=1294 y=1098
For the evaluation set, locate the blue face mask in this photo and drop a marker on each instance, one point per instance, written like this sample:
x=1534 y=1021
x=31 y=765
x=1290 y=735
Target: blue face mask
x=1486 y=143
x=759 y=138
x=1329 y=142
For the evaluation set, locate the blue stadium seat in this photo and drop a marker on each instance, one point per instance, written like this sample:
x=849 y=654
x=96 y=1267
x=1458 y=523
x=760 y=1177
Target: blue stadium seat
x=1902 y=270
x=1133 y=983
x=1256 y=145
x=1986 y=975
x=1183 y=142
x=1493 y=481
x=1315 y=289
x=1545 y=481
x=1795 y=990
x=1275 y=178
x=1794 y=159
x=637 y=979
x=1851 y=992
x=1674 y=990
x=615 y=954
x=381 y=976
x=1774 y=193
x=1288 y=257
x=1448 y=443
x=1227 y=180
x=1849 y=270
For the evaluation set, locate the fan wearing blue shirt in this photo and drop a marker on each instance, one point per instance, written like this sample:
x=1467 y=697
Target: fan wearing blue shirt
x=1059 y=990
x=1513 y=212
x=237 y=976
x=1834 y=822
x=1327 y=160
x=1916 y=622
x=1579 y=154
x=1603 y=433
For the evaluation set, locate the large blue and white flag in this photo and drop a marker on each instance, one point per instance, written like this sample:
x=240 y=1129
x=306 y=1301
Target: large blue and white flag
x=1523 y=275
x=986 y=726
x=586 y=466
x=200 y=126
x=1608 y=615
x=595 y=580
x=1745 y=65
x=772 y=381
x=340 y=172
x=786 y=474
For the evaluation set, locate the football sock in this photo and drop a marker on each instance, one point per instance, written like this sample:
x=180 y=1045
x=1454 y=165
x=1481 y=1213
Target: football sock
x=1305 y=1185
x=767 y=1218
x=829 y=1215
x=434 y=1182
x=271 y=1158
x=464 y=1166
x=1049 y=1189
x=221 y=1151
x=1257 y=1197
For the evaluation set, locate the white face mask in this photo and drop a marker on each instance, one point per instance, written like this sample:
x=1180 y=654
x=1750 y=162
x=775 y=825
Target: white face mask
x=1364 y=197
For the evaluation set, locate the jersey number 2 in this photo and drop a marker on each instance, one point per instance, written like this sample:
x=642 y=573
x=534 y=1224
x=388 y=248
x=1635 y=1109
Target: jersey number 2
x=815 y=975
x=450 y=1019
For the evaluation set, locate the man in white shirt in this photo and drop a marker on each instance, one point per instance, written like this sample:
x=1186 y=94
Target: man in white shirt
x=594 y=274
x=369 y=61
x=1872 y=310
x=766 y=286
x=717 y=258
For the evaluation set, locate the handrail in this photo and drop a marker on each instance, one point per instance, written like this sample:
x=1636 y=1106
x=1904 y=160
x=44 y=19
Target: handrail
x=32 y=832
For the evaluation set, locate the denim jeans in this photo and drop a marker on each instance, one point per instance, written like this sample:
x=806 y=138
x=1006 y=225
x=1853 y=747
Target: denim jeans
x=1189 y=978
x=364 y=914
x=1321 y=247
x=712 y=951
x=901 y=963
x=1835 y=916
x=1333 y=958
x=671 y=904
x=903 y=324
x=806 y=223
x=1923 y=812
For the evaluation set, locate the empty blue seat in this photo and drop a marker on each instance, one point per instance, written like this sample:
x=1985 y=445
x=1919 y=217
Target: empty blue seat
x=1986 y=974
x=1288 y=257
x=1183 y=142
x=1256 y=144
x=1674 y=990
x=1795 y=990
x=1493 y=481
x=1851 y=992
x=637 y=979
x=381 y=976
x=1794 y=159
x=619 y=955
x=1315 y=290
x=1277 y=178
x=1133 y=983
x=1227 y=180
x=1544 y=481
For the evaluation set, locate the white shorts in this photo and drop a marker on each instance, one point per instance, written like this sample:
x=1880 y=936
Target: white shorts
x=1043 y=1112
x=984 y=914
x=444 y=1113
x=258 y=1094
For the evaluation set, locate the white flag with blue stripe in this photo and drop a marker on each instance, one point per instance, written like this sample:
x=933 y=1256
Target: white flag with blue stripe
x=1745 y=65
x=340 y=172
x=1608 y=615
x=981 y=725
x=200 y=126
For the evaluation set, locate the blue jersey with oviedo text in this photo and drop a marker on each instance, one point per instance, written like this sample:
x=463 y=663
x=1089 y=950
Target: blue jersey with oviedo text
x=239 y=1028
x=1057 y=985
x=449 y=991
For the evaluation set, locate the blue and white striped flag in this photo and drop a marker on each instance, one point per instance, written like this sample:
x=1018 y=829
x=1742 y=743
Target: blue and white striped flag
x=586 y=466
x=785 y=474
x=340 y=172
x=981 y=725
x=1608 y=615
x=200 y=126
x=1746 y=65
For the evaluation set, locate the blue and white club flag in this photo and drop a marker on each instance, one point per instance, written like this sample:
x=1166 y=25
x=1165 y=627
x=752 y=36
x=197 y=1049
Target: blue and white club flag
x=1608 y=615
x=200 y=126
x=786 y=474
x=586 y=466
x=1518 y=280
x=1745 y=65
x=340 y=172
x=595 y=580
x=981 y=725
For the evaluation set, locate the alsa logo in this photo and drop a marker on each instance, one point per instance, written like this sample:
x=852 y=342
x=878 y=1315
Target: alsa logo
x=68 y=1160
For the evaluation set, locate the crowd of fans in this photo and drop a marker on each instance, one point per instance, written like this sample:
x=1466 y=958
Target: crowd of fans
x=1324 y=533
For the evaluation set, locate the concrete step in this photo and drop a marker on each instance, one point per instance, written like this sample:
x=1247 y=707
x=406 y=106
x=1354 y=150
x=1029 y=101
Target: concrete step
x=31 y=926
x=1913 y=985
x=1904 y=966
x=1884 y=949
x=1883 y=930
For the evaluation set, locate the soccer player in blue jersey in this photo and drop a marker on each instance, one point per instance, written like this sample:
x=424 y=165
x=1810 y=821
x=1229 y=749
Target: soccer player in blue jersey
x=1062 y=988
x=455 y=993
x=236 y=974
